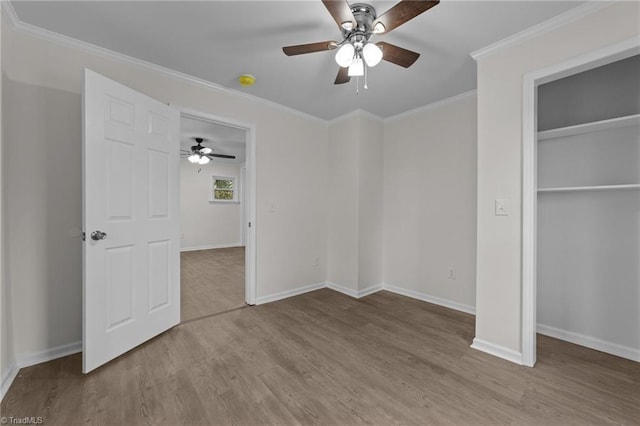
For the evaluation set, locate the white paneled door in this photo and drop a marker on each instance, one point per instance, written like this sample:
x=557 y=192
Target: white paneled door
x=131 y=277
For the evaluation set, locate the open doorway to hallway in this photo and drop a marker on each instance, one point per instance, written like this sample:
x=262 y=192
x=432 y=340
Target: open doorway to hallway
x=213 y=205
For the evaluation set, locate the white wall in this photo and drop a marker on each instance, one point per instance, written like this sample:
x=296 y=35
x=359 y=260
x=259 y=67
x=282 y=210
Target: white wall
x=43 y=209
x=370 y=201
x=600 y=93
x=355 y=203
x=343 y=217
x=203 y=224
x=430 y=201
x=7 y=355
x=500 y=77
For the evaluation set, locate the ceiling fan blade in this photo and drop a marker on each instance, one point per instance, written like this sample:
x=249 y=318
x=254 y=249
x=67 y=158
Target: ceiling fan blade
x=341 y=13
x=343 y=76
x=397 y=55
x=301 y=49
x=220 y=156
x=401 y=13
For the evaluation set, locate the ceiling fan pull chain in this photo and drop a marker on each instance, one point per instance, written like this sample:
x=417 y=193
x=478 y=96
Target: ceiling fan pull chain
x=366 y=77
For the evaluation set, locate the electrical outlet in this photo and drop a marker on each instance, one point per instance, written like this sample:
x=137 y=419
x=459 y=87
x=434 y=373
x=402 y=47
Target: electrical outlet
x=316 y=261
x=452 y=274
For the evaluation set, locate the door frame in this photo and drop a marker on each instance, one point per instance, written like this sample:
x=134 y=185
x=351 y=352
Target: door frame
x=249 y=193
x=531 y=81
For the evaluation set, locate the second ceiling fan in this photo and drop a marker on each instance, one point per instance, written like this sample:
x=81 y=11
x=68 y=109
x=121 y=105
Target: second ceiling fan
x=358 y=22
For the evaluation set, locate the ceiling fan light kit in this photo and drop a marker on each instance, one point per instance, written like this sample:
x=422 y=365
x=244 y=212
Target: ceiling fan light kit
x=356 y=69
x=358 y=22
x=202 y=154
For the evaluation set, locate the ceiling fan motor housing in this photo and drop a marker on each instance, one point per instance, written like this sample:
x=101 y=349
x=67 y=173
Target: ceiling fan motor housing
x=364 y=14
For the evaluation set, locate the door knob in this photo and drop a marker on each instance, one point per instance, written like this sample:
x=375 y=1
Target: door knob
x=98 y=235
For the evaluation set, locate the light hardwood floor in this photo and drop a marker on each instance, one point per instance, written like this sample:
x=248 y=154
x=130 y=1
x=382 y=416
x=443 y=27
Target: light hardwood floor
x=212 y=281
x=323 y=358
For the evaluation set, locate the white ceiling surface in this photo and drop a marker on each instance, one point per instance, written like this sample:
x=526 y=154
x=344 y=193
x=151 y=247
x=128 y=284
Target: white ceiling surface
x=222 y=139
x=219 y=40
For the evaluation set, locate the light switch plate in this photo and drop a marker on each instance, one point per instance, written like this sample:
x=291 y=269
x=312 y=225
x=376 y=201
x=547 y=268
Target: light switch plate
x=501 y=207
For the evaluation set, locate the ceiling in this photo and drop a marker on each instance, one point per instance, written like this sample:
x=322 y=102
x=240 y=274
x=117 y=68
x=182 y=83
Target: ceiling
x=222 y=139
x=219 y=40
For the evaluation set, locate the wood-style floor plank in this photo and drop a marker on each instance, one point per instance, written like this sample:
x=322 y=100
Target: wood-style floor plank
x=323 y=358
x=212 y=281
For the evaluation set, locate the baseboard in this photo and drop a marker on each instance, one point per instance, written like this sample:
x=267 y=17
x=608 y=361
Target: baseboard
x=496 y=350
x=211 y=246
x=342 y=289
x=7 y=379
x=356 y=294
x=590 y=342
x=370 y=290
x=289 y=293
x=431 y=299
x=33 y=358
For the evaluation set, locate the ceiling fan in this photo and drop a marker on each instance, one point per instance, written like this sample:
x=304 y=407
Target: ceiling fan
x=201 y=154
x=358 y=22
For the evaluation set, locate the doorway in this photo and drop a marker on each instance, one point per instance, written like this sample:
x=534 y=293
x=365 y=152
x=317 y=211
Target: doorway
x=216 y=198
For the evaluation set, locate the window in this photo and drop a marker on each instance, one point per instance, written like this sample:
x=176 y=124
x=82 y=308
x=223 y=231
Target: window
x=224 y=189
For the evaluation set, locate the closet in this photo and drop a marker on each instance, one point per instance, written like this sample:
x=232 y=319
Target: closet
x=588 y=212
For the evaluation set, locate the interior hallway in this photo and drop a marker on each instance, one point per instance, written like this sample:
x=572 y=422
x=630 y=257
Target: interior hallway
x=212 y=281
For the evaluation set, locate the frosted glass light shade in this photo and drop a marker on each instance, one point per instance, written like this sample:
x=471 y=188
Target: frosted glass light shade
x=356 y=68
x=344 y=55
x=194 y=158
x=206 y=150
x=372 y=54
x=203 y=160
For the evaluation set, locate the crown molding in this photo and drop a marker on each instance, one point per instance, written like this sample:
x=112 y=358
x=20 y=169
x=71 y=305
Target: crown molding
x=549 y=25
x=21 y=27
x=9 y=13
x=431 y=106
x=354 y=114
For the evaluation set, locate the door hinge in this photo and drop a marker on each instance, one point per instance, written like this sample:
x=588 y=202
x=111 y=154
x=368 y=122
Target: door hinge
x=249 y=224
x=84 y=236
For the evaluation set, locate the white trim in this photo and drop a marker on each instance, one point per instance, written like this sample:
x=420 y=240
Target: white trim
x=529 y=220
x=250 y=194
x=436 y=104
x=356 y=294
x=431 y=299
x=9 y=12
x=354 y=114
x=33 y=358
x=86 y=47
x=289 y=293
x=541 y=28
x=497 y=350
x=210 y=247
x=342 y=289
x=594 y=126
x=7 y=380
x=608 y=54
x=370 y=290
x=591 y=342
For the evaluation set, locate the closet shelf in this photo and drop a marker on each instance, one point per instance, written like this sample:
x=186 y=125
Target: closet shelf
x=590 y=188
x=594 y=126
